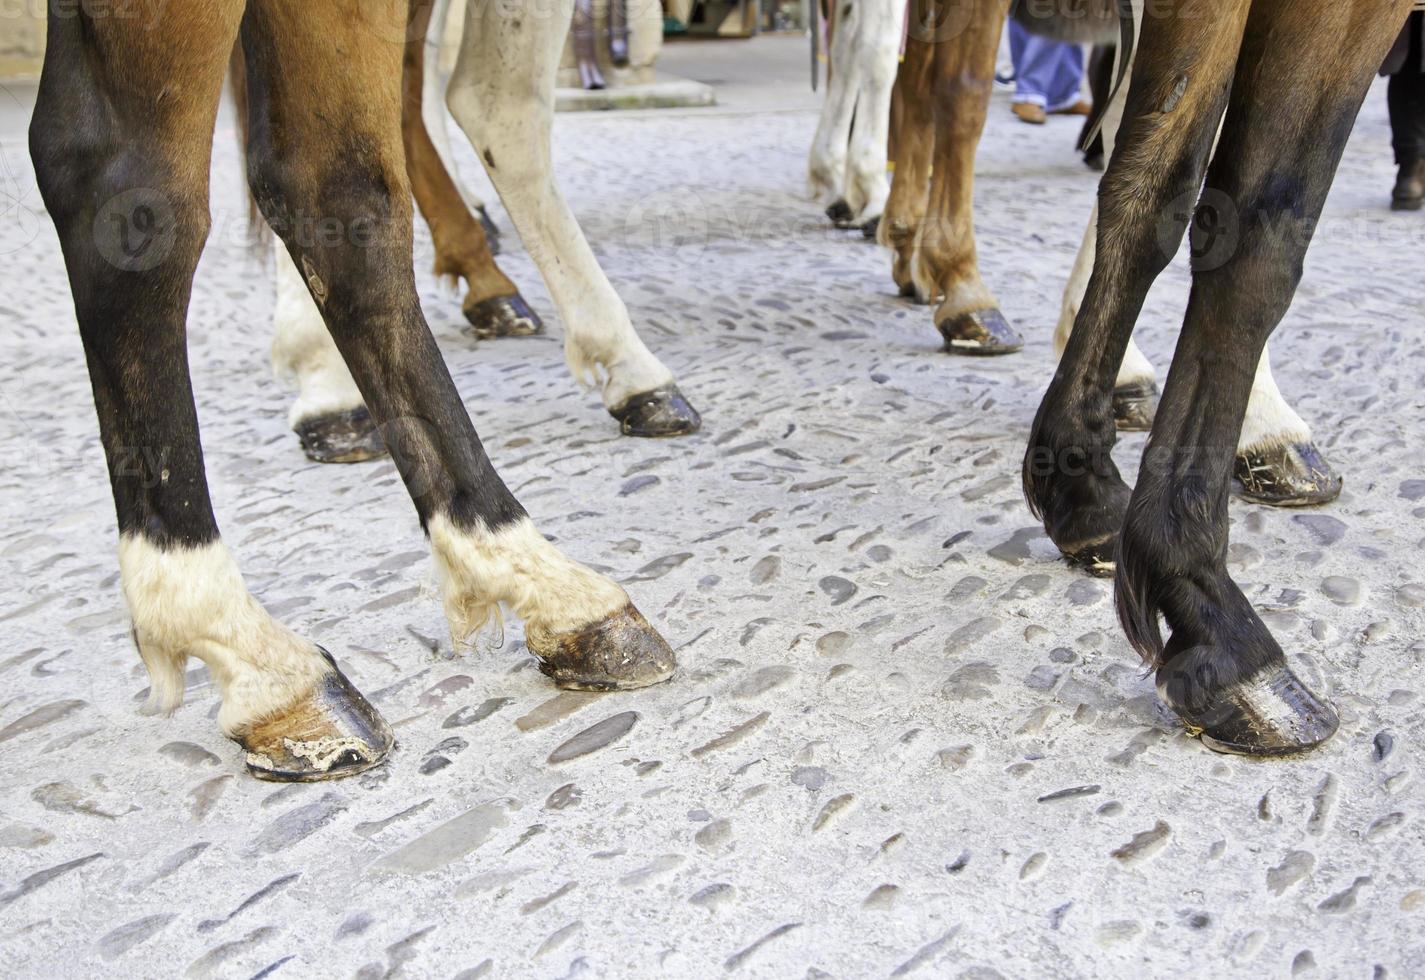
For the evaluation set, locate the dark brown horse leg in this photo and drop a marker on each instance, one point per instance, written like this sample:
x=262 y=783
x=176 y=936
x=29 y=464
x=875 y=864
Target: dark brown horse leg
x=328 y=144
x=1295 y=96
x=1070 y=480
x=492 y=304
x=121 y=139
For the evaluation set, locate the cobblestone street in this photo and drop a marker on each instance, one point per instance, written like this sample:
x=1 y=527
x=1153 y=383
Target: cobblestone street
x=905 y=738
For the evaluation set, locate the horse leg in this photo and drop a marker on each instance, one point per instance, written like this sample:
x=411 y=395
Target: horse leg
x=325 y=142
x=1277 y=461
x=826 y=167
x=1135 y=390
x=1294 y=99
x=944 y=263
x=877 y=46
x=434 y=79
x=912 y=112
x=492 y=304
x=121 y=139
x=328 y=416
x=1175 y=98
x=501 y=94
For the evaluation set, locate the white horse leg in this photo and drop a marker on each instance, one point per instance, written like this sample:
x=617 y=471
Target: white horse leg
x=877 y=47
x=502 y=95
x=1277 y=461
x=441 y=36
x=329 y=415
x=826 y=167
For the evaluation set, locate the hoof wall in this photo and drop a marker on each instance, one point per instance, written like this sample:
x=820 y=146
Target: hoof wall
x=503 y=316
x=332 y=733
x=492 y=230
x=619 y=653
x=1135 y=405
x=657 y=414
x=341 y=437
x=870 y=228
x=840 y=214
x=1096 y=559
x=981 y=332
x=1269 y=713
x=1294 y=475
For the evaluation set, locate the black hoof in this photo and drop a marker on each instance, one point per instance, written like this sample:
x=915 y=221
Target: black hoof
x=870 y=228
x=619 y=653
x=1293 y=475
x=1096 y=559
x=341 y=437
x=981 y=332
x=657 y=414
x=492 y=230
x=840 y=213
x=333 y=732
x=1268 y=713
x=503 y=316
x=1135 y=405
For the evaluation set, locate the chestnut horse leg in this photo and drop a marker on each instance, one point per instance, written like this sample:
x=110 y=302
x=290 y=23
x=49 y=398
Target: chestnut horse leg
x=121 y=139
x=944 y=263
x=325 y=142
x=492 y=304
x=912 y=119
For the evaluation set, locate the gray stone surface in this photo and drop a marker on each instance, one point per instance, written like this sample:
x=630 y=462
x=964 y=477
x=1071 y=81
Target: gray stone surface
x=905 y=739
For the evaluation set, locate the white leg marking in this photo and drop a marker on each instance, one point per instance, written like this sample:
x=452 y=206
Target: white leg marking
x=1270 y=422
x=192 y=602
x=826 y=167
x=501 y=94
x=302 y=347
x=1135 y=368
x=516 y=566
x=433 y=82
x=877 y=48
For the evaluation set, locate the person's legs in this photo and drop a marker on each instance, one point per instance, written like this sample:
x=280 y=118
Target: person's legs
x=1047 y=73
x=1405 y=95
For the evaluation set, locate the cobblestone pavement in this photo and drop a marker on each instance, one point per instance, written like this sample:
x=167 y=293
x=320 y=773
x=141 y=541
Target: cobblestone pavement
x=905 y=739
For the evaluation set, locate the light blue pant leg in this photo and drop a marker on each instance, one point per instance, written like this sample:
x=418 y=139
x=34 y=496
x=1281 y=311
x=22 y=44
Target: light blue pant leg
x=1046 y=72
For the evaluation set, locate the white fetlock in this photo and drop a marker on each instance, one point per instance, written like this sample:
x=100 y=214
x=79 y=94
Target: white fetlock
x=192 y=602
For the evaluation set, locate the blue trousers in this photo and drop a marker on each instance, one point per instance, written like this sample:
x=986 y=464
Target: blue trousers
x=1046 y=72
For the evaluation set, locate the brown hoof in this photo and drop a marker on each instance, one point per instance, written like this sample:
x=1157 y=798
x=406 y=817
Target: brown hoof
x=503 y=316
x=840 y=213
x=341 y=437
x=619 y=653
x=332 y=733
x=980 y=332
x=1294 y=475
x=657 y=414
x=1134 y=406
x=492 y=230
x=1269 y=713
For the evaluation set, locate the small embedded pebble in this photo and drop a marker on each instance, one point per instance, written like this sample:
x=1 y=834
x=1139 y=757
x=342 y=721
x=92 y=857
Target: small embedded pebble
x=595 y=737
x=1341 y=590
